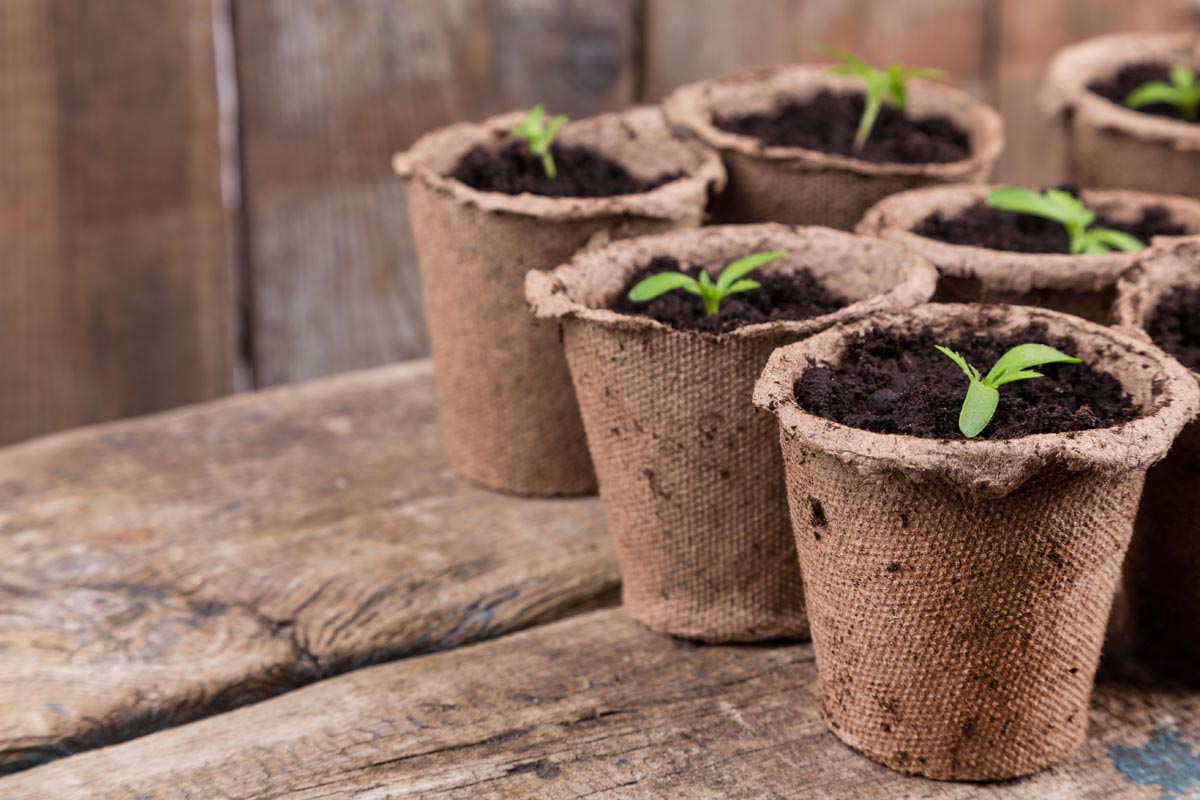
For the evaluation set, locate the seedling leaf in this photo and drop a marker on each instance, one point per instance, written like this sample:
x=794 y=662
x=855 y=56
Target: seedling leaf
x=744 y=266
x=743 y=286
x=1069 y=211
x=711 y=293
x=660 y=284
x=1182 y=92
x=892 y=82
x=982 y=398
x=539 y=136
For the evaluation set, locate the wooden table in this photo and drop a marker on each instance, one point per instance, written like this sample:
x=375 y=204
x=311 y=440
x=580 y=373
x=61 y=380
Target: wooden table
x=182 y=568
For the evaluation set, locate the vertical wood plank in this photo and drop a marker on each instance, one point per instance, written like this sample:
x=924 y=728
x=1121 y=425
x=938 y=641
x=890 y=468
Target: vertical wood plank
x=1029 y=33
x=687 y=40
x=115 y=285
x=329 y=90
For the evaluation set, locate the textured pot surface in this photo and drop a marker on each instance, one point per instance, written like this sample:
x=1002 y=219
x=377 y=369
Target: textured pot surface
x=508 y=412
x=797 y=186
x=1113 y=147
x=959 y=590
x=690 y=472
x=1161 y=595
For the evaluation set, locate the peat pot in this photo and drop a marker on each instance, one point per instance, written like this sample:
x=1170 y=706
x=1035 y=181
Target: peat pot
x=508 y=414
x=958 y=590
x=690 y=472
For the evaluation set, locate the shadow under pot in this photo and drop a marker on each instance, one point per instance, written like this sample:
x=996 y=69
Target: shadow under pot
x=959 y=589
x=785 y=134
x=992 y=256
x=690 y=472
x=508 y=414
x=1109 y=145
x=1160 y=298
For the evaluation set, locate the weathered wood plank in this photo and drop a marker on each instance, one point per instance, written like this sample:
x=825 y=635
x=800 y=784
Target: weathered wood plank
x=116 y=286
x=1027 y=34
x=593 y=707
x=155 y=571
x=687 y=40
x=329 y=90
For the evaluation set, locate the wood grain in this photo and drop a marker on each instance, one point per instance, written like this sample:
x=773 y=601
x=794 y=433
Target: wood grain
x=593 y=706
x=116 y=286
x=157 y=571
x=329 y=90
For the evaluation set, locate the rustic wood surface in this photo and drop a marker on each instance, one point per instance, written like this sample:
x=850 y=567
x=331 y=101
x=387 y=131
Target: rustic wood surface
x=329 y=90
x=160 y=570
x=593 y=706
x=115 y=275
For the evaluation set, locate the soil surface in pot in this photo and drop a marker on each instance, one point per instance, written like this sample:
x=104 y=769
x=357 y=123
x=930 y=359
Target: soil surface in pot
x=827 y=123
x=980 y=225
x=781 y=296
x=1130 y=77
x=581 y=172
x=1175 y=326
x=896 y=382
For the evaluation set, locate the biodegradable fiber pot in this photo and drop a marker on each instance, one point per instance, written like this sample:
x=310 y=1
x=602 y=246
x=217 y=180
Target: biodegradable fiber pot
x=1084 y=285
x=1161 y=598
x=508 y=413
x=690 y=472
x=797 y=186
x=958 y=590
x=1113 y=147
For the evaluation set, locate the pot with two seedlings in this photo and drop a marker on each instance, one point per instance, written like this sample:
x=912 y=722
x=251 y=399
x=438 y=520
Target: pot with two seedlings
x=665 y=336
x=487 y=203
x=1058 y=249
x=814 y=145
x=961 y=540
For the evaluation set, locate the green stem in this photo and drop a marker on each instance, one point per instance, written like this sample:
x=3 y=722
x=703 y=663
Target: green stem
x=548 y=165
x=712 y=302
x=874 y=100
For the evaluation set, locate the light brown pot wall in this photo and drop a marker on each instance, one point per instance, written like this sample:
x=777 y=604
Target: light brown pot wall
x=690 y=472
x=958 y=590
x=1083 y=285
x=1161 y=597
x=797 y=186
x=1113 y=147
x=508 y=413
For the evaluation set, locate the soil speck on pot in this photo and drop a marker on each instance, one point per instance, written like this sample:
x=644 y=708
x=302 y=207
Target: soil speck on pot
x=827 y=123
x=1175 y=325
x=782 y=296
x=1116 y=88
x=930 y=388
x=817 y=518
x=980 y=225
x=582 y=172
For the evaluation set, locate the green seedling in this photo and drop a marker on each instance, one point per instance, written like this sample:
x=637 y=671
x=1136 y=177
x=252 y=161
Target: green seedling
x=731 y=280
x=1067 y=209
x=891 y=82
x=983 y=396
x=1183 y=92
x=538 y=135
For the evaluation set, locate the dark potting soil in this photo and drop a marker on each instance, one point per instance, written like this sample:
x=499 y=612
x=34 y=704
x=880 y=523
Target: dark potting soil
x=897 y=383
x=981 y=225
x=827 y=123
x=1130 y=77
x=581 y=172
x=782 y=296
x=1175 y=326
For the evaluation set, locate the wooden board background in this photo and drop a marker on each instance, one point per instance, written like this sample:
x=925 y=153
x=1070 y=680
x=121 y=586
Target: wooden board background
x=195 y=196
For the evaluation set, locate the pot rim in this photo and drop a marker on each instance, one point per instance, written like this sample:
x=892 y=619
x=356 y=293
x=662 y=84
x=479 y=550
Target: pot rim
x=1161 y=269
x=676 y=200
x=689 y=107
x=549 y=296
x=892 y=219
x=1064 y=91
x=986 y=467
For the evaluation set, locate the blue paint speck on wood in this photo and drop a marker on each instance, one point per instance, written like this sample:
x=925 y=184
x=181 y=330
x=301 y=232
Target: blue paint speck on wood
x=1167 y=760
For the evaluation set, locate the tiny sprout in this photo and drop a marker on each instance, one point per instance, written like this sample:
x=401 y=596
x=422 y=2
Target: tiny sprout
x=1183 y=92
x=982 y=396
x=893 y=82
x=538 y=135
x=732 y=279
x=1065 y=208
